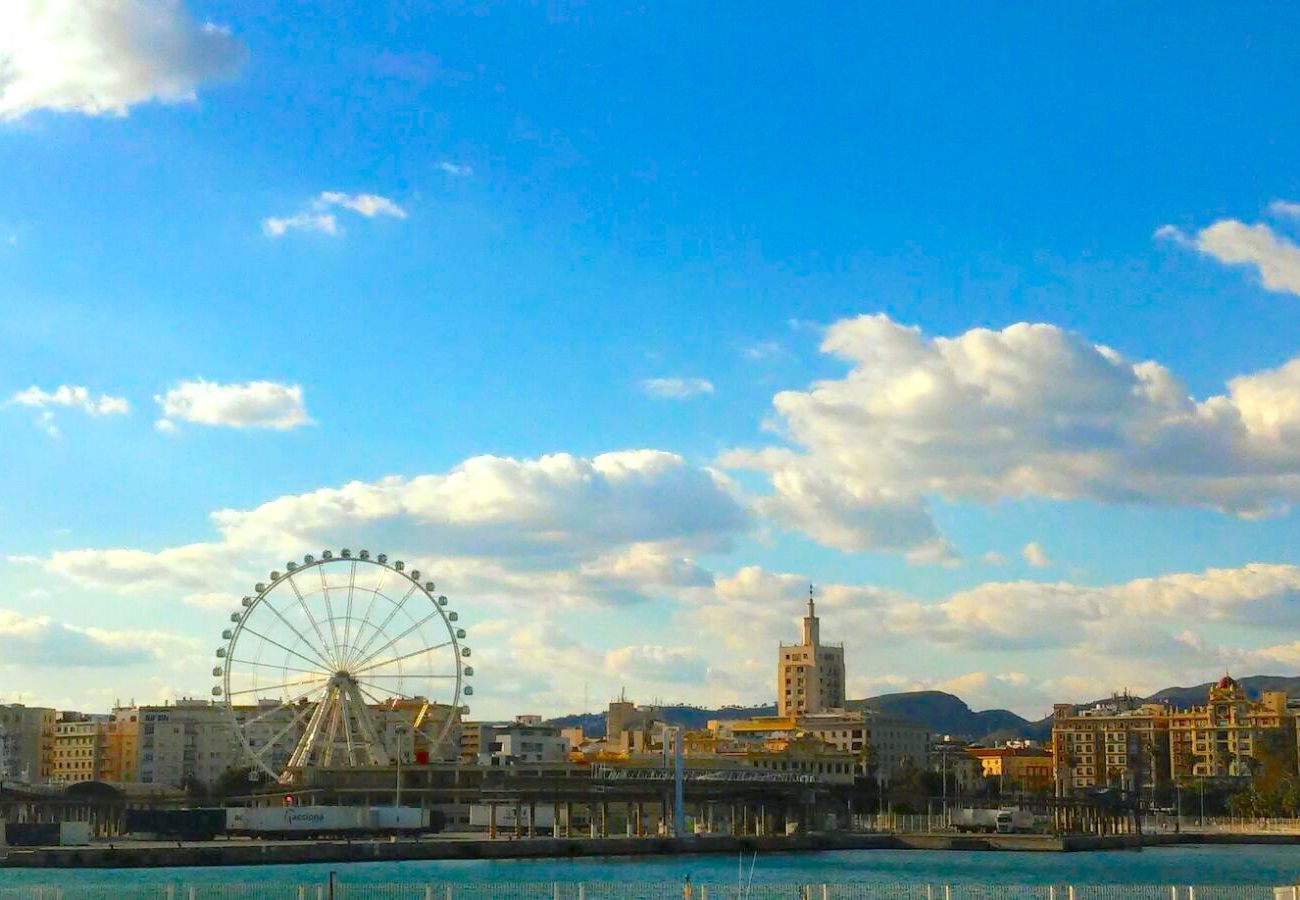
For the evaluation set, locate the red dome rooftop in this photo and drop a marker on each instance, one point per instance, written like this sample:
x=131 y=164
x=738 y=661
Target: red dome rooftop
x=1227 y=682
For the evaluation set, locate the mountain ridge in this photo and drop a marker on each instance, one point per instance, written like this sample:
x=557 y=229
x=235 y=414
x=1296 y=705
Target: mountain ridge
x=944 y=713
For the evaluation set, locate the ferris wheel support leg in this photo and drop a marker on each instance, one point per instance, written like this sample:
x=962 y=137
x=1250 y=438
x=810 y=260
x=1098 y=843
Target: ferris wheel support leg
x=312 y=732
x=366 y=724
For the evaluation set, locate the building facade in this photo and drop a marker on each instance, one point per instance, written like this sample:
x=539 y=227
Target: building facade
x=80 y=748
x=1122 y=743
x=28 y=742
x=810 y=674
x=1220 y=739
x=1016 y=767
x=519 y=743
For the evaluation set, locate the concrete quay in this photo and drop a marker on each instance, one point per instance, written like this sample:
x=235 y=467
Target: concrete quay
x=152 y=854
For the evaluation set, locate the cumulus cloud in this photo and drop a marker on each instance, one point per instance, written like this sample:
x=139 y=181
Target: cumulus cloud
x=1284 y=209
x=368 y=205
x=100 y=57
x=456 y=170
x=1275 y=258
x=255 y=404
x=677 y=388
x=1034 y=554
x=659 y=665
x=569 y=529
x=72 y=397
x=66 y=396
x=1028 y=411
x=318 y=218
x=325 y=223
x=40 y=641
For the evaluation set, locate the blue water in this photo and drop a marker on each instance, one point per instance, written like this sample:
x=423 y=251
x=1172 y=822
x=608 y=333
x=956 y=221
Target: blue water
x=1196 y=865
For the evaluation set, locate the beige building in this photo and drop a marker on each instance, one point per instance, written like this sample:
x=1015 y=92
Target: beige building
x=875 y=741
x=80 y=748
x=1016 y=767
x=810 y=674
x=26 y=742
x=1121 y=743
x=1219 y=740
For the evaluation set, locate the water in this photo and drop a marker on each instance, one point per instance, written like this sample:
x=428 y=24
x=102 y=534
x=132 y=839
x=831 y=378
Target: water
x=1258 y=865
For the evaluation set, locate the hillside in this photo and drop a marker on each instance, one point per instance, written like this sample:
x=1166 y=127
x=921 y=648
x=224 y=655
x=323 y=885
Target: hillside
x=693 y=717
x=940 y=712
x=944 y=713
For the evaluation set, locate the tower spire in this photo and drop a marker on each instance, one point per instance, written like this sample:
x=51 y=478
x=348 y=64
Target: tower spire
x=812 y=611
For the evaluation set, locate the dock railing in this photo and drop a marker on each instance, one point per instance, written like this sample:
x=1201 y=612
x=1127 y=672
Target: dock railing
x=502 y=890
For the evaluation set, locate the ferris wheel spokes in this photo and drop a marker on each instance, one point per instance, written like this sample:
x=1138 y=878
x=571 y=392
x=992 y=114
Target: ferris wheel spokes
x=380 y=630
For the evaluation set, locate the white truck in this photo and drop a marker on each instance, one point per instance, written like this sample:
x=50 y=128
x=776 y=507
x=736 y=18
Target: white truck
x=990 y=821
x=1014 y=821
x=974 y=820
x=325 y=821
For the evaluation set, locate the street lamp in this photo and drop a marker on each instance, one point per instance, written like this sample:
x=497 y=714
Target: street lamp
x=401 y=727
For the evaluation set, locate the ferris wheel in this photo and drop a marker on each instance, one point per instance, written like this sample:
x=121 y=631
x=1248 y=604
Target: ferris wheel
x=343 y=661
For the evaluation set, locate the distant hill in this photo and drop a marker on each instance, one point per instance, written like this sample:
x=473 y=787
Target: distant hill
x=944 y=713
x=940 y=712
x=692 y=717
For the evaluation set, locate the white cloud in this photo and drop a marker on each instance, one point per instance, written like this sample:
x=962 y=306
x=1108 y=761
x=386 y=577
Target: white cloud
x=67 y=396
x=318 y=217
x=325 y=223
x=1035 y=555
x=1284 y=209
x=368 y=205
x=638 y=664
x=1028 y=411
x=100 y=57
x=455 y=170
x=1232 y=242
x=40 y=641
x=762 y=350
x=677 y=388
x=45 y=422
x=619 y=527
x=72 y=397
x=212 y=600
x=994 y=558
x=256 y=404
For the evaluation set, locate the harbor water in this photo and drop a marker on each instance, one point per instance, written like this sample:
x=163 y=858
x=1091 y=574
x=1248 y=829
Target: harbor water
x=1242 y=865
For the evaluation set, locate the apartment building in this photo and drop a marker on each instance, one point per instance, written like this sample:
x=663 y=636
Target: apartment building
x=518 y=743
x=28 y=742
x=1122 y=743
x=80 y=748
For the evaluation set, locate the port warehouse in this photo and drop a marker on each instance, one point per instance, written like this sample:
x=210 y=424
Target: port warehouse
x=560 y=800
x=576 y=799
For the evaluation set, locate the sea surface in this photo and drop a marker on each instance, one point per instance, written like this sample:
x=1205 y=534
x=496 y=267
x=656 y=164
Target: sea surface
x=1259 y=866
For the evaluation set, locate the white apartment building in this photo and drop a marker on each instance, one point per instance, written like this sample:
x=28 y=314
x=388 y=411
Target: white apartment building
x=516 y=744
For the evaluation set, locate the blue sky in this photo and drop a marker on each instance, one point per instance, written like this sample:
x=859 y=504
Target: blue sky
x=519 y=226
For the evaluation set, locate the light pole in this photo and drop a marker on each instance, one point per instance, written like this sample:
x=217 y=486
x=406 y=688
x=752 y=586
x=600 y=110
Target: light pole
x=397 y=795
